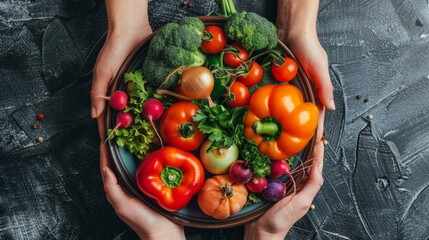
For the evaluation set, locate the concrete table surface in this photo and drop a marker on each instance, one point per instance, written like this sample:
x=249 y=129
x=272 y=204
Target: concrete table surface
x=376 y=172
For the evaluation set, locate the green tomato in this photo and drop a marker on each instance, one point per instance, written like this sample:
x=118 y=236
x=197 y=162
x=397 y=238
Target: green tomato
x=218 y=161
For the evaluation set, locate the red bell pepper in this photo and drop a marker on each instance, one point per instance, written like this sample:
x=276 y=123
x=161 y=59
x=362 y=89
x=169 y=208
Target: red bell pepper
x=171 y=177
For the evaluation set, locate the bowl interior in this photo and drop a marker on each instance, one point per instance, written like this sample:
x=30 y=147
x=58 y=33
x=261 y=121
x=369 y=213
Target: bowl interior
x=125 y=164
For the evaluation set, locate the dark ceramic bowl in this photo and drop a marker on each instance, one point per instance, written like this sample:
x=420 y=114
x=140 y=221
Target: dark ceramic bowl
x=125 y=164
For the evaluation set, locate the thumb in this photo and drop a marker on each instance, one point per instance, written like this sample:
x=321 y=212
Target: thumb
x=320 y=75
x=99 y=87
x=114 y=192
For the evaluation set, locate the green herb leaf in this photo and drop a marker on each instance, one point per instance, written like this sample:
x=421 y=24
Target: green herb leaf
x=252 y=199
x=140 y=136
x=260 y=162
x=224 y=125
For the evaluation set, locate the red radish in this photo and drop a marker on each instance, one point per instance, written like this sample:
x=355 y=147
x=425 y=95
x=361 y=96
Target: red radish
x=152 y=110
x=257 y=184
x=281 y=168
x=118 y=100
x=123 y=120
x=274 y=191
x=240 y=172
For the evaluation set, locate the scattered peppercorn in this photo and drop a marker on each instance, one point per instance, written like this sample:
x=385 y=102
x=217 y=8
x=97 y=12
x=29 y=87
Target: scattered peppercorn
x=35 y=126
x=366 y=100
x=359 y=97
x=40 y=139
x=418 y=23
x=40 y=116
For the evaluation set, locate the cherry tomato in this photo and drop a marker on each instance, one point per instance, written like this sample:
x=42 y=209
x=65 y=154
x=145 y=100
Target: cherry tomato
x=241 y=95
x=253 y=76
x=285 y=72
x=216 y=41
x=237 y=58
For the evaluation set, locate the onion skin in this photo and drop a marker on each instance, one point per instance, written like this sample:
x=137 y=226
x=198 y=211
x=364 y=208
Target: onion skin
x=218 y=161
x=197 y=83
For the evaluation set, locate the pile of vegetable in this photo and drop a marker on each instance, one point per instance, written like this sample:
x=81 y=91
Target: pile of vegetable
x=211 y=115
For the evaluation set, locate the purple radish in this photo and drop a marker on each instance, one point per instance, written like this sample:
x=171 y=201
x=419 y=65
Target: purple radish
x=257 y=184
x=118 y=100
x=274 y=191
x=240 y=172
x=281 y=168
x=123 y=120
x=152 y=111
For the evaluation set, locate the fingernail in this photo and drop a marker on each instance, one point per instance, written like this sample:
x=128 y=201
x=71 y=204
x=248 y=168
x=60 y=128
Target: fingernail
x=332 y=104
x=93 y=112
x=103 y=173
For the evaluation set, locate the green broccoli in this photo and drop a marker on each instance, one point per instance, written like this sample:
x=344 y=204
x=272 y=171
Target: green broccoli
x=253 y=31
x=175 y=45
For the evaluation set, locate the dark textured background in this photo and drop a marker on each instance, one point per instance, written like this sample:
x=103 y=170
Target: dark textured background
x=376 y=172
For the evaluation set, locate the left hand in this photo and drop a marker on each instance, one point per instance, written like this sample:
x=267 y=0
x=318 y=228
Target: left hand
x=147 y=223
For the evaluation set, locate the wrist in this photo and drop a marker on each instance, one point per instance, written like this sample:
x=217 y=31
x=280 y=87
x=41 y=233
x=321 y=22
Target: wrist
x=127 y=16
x=297 y=17
x=169 y=235
x=254 y=232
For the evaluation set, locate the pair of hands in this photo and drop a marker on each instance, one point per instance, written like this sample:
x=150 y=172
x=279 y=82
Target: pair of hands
x=147 y=223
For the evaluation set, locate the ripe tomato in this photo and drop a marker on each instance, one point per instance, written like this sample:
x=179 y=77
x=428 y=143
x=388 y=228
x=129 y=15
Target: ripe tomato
x=235 y=59
x=216 y=40
x=253 y=76
x=178 y=129
x=285 y=72
x=241 y=95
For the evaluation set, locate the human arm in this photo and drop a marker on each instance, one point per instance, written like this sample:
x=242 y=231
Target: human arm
x=296 y=27
x=128 y=25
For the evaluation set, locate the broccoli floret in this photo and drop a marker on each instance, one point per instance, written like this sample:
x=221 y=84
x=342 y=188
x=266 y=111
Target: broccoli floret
x=176 y=44
x=251 y=30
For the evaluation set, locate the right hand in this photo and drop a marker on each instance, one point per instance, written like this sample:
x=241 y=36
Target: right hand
x=118 y=46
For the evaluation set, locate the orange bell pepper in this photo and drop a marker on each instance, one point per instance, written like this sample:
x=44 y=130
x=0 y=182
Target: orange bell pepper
x=279 y=121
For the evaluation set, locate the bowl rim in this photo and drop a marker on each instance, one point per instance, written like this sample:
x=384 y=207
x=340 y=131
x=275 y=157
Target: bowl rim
x=128 y=181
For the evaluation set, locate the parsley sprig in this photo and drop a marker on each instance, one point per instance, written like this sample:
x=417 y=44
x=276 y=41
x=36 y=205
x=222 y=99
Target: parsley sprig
x=224 y=125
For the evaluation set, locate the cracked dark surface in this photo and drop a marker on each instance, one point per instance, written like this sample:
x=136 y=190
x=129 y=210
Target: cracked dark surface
x=376 y=181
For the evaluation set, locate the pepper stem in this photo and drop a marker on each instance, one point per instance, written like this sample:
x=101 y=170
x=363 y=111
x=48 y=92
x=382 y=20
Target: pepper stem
x=171 y=176
x=266 y=128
